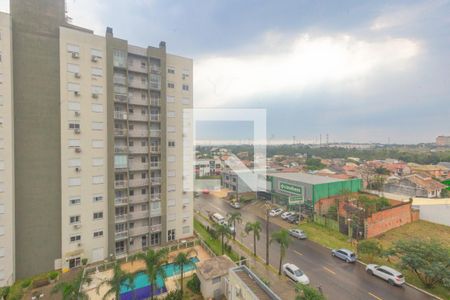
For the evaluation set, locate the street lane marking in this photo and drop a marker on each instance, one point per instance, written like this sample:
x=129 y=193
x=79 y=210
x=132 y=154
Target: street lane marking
x=331 y=271
x=298 y=252
x=376 y=297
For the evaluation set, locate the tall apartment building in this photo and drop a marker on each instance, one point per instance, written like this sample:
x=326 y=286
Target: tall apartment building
x=91 y=144
x=443 y=140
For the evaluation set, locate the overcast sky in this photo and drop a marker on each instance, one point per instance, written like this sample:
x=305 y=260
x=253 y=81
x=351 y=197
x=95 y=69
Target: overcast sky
x=361 y=71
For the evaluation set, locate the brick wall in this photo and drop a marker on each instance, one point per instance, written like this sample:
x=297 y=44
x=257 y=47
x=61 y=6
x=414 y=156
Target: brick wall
x=388 y=219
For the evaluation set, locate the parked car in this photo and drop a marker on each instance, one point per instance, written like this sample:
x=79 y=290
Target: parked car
x=231 y=228
x=297 y=233
x=287 y=214
x=293 y=219
x=235 y=204
x=275 y=212
x=344 y=254
x=217 y=218
x=205 y=191
x=392 y=276
x=294 y=273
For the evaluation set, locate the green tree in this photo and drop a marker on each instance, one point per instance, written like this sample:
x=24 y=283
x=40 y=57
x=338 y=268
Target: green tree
x=233 y=218
x=371 y=248
x=174 y=295
x=382 y=171
x=182 y=260
x=429 y=260
x=256 y=228
x=194 y=284
x=4 y=291
x=119 y=278
x=306 y=292
x=445 y=193
x=154 y=264
x=283 y=239
x=71 y=290
x=223 y=231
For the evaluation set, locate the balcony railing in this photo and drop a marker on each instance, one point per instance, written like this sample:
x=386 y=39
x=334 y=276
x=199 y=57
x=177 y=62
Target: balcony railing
x=138 y=166
x=155 y=212
x=138 y=199
x=139 y=230
x=121 y=235
x=138 y=215
x=155 y=180
x=155 y=228
x=138 y=84
x=138 y=150
x=155 y=133
x=138 y=133
x=121 y=218
x=138 y=117
x=120 y=149
x=120 y=184
x=155 y=197
x=138 y=182
x=155 y=165
x=137 y=68
x=138 y=101
x=120 y=115
x=121 y=200
x=155 y=117
x=120 y=98
x=120 y=131
x=155 y=102
x=155 y=149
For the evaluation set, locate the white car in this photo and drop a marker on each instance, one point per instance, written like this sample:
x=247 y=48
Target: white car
x=392 y=276
x=297 y=233
x=287 y=214
x=275 y=212
x=294 y=273
x=235 y=204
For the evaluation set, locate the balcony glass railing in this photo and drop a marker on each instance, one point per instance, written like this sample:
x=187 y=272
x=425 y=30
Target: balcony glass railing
x=155 y=164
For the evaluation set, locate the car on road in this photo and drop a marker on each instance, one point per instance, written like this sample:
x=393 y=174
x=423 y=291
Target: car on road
x=217 y=218
x=294 y=273
x=297 y=233
x=294 y=219
x=235 y=204
x=275 y=212
x=392 y=276
x=344 y=254
x=287 y=214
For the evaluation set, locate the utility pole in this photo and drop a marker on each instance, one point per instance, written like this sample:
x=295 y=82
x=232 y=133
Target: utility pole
x=268 y=207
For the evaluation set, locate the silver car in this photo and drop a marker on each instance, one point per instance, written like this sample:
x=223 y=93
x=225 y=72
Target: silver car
x=392 y=276
x=297 y=233
x=344 y=254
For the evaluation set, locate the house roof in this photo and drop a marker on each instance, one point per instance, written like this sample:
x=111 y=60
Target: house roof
x=215 y=267
x=426 y=183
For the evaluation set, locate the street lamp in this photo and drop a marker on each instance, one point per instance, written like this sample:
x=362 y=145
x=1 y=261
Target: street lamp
x=268 y=207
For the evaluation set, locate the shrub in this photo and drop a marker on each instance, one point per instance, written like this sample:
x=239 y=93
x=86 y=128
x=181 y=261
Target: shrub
x=26 y=283
x=174 y=295
x=371 y=248
x=194 y=284
x=52 y=275
x=4 y=291
x=84 y=261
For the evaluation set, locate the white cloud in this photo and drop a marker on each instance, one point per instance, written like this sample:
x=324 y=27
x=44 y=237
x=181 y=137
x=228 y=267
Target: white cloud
x=296 y=65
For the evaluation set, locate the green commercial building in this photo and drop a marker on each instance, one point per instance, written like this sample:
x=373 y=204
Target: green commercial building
x=293 y=189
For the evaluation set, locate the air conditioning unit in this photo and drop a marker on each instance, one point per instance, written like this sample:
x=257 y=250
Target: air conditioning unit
x=78 y=150
x=77 y=169
x=77 y=113
x=77 y=93
x=75 y=55
x=77 y=75
x=94 y=95
x=79 y=244
x=184 y=205
x=77 y=131
x=94 y=58
x=77 y=226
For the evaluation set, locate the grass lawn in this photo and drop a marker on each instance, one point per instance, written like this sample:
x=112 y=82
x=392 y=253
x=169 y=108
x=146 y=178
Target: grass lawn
x=325 y=236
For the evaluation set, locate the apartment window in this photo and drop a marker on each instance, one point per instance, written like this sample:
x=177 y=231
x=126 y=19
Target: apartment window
x=75 y=238
x=74 y=200
x=144 y=207
x=171 y=85
x=171 y=70
x=98 y=233
x=170 y=99
x=97 y=108
x=75 y=219
x=74 y=143
x=96 y=72
x=97 y=125
x=143 y=159
x=171 y=114
x=98 y=215
x=74 y=125
x=74 y=162
x=75 y=181
x=171 y=188
x=144 y=191
x=171 y=235
x=185 y=101
x=171 y=173
x=73 y=87
x=74 y=106
x=216 y=280
x=97 y=144
x=97 y=198
x=186 y=229
x=73 y=48
x=97 y=162
x=2 y=164
x=185 y=74
x=172 y=217
x=97 y=179
x=72 y=68
x=96 y=53
x=171 y=202
x=185 y=87
x=98 y=90
x=171 y=129
x=171 y=158
x=171 y=144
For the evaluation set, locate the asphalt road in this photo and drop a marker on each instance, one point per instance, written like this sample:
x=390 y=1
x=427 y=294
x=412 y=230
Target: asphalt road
x=338 y=279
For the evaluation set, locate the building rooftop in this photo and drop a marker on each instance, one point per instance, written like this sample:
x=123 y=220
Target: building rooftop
x=254 y=284
x=305 y=178
x=215 y=267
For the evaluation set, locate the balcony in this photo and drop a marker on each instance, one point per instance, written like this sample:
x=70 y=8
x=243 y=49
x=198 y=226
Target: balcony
x=138 y=101
x=120 y=98
x=138 y=84
x=155 y=180
x=139 y=230
x=120 y=201
x=138 y=150
x=155 y=165
x=155 y=228
x=120 y=184
x=138 y=117
x=138 y=166
x=120 y=168
x=137 y=67
x=121 y=132
x=155 y=117
x=138 y=199
x=121 y=235
x=155 y=212
x=138 y=133
x=155 y=102
x=155 y=197
x=121 y=218
x=138 y=215
x=120 y=149
x=138 y=182
x=154 y=69
x=155 y=133
x=155 y=149
x=120 y=115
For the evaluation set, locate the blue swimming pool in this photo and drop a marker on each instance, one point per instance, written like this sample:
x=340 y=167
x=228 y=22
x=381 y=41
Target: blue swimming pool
x=141 y=289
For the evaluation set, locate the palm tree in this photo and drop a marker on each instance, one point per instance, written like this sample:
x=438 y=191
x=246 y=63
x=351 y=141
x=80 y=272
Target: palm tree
x=224 y=231
x=154 y=262
x=283 y=239
x=233 y=218
x=71 y=290
x=182 y=260
x=256 y=228
x=120 y=278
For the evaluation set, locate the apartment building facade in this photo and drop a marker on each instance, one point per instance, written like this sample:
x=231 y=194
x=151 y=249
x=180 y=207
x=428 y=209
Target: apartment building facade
x=91 y=149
